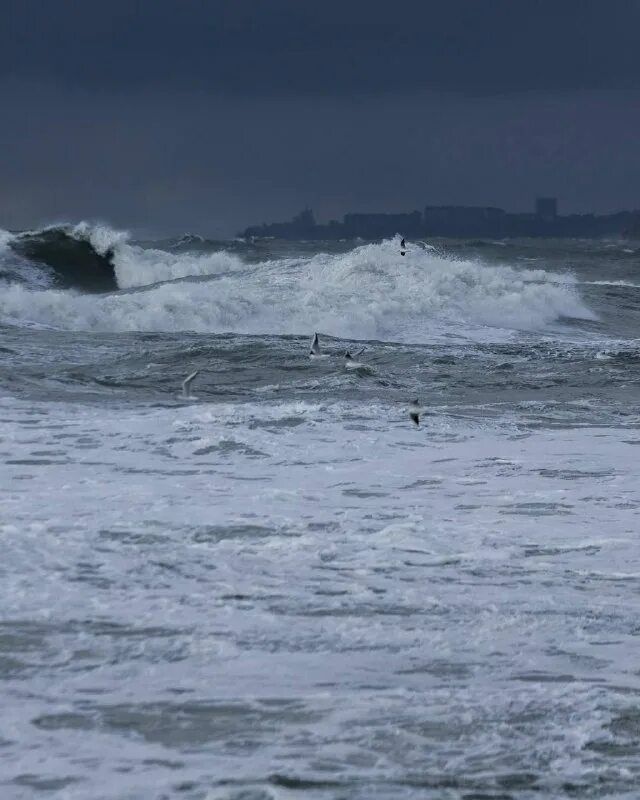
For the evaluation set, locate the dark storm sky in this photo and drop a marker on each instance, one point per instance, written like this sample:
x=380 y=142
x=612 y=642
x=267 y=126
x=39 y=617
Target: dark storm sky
x=173 y=115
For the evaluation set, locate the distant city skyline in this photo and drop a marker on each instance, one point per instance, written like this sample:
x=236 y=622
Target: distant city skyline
x=454 y=221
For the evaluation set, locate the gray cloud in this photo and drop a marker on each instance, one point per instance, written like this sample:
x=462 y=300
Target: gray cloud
x=209 y=116
x=162 y=162
x=332 y=47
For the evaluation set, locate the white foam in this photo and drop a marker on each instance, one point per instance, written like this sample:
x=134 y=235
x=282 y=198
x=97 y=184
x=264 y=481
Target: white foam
x=136 y=266
x=331 y=577
x=23 y=270
x=5 y=238
x=139 y=266
x=613 y=283
x=366 y=293
x=101 y=237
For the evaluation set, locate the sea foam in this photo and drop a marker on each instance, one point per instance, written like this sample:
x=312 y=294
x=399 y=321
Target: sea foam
x=366 y=293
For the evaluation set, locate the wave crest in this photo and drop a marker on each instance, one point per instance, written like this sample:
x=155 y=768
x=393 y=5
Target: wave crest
x=367 y=293
x=80 y=256
x=95 y=258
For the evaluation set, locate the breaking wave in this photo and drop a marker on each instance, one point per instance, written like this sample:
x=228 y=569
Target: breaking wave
x=366 y=293
x=78 y=256
x=96 y=258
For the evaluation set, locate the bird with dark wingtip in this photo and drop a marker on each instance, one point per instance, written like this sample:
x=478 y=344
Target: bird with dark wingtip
x=350 y=359
x=414 y=412
x=314 y=350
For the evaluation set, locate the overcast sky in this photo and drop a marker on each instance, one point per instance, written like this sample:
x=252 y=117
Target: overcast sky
x=164 y=116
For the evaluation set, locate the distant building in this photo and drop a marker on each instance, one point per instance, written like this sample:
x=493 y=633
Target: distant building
x=546 y=209
x=461 y=222
x=302 y=226
x=304 y=221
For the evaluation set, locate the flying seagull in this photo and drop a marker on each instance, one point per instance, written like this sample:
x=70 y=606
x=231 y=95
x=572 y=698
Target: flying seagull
x=414 y=413
x=186 y=385
x=349 y=359
x=314 y=350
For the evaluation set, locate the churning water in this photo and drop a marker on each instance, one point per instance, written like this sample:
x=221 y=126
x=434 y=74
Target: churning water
x=281 y=588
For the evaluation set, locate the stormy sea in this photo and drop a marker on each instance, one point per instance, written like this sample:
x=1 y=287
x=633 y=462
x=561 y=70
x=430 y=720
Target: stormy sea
x=276 y=585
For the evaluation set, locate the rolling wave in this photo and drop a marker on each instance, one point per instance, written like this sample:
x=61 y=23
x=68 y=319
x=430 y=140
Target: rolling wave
x=77 y=256
x=365 y=293
x=96 y=258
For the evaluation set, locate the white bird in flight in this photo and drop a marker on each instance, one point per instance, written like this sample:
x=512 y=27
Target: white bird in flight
x=186 y=385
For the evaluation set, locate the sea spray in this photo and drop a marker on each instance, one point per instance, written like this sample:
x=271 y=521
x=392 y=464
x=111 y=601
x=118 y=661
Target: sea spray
x=365 y=293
